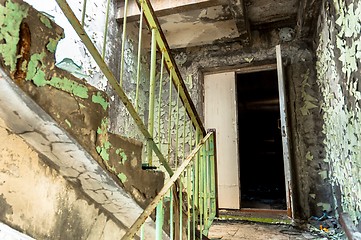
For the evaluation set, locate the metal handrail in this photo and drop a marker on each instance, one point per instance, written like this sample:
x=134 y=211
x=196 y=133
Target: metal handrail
x=199 y=167
x=172 y=66
x=112 y=80
x=158 y=42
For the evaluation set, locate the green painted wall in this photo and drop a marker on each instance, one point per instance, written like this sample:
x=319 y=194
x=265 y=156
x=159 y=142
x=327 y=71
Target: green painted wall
x=338 y=76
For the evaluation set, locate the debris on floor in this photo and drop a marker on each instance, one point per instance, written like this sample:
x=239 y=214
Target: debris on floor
x=228 y=230
x=326 y=226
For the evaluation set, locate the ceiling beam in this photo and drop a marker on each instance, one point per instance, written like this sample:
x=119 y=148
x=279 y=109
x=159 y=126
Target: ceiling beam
x=240 y=16
x=307 y=16
x=165 y=7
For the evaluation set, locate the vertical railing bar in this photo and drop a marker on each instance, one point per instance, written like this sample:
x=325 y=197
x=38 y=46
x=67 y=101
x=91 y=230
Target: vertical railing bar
x=153 y=66
x=197 y=192
x=184 y=133
x=177 y=78
x=106 y=29
x=193 y=186
x=197 y=170
x=205 y=185
x=213 y=174
x=159 y=221
x=169 y=116
x=201 y=190
x=176 y=132
x=180 y=207
x=189 y=183
x=123 y=42
x=171 y=227
x=140 y=34
x=68 y=12
x=171 y=182
x=209 y=180
x=142 y=232
x=160 y=100
x=83 y=13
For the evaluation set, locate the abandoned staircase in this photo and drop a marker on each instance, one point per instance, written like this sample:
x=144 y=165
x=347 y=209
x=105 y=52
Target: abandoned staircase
x=168 y=191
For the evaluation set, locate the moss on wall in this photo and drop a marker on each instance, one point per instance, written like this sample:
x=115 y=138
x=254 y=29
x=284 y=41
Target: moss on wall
x=339 y=59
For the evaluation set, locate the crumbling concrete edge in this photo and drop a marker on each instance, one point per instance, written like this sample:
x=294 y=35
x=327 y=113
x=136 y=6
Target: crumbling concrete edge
x=25 y=118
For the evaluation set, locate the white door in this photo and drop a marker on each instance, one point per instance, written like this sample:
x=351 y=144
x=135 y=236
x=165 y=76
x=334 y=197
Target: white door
x=284 y=131
x=220 y=114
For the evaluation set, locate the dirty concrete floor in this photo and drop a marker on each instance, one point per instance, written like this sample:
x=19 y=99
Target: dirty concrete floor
x=231 y=230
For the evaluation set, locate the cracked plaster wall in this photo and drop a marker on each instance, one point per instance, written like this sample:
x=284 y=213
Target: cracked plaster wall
x=28 y=43
x=338 y=77
x=311 y=191
x=35 y=199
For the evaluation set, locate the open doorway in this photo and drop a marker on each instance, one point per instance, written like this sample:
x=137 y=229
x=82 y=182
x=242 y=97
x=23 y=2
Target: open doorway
x=248 y=109
x=261 y=164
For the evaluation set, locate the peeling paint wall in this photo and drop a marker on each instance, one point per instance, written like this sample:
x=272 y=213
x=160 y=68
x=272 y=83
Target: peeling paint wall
x=338 y=76
x=120 y=120
x=35 y=199
x=71 y=54
x=27 y=42
x=311 y=191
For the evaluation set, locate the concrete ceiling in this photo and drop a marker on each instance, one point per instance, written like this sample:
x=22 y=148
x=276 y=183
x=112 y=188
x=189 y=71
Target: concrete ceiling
x=188 y=23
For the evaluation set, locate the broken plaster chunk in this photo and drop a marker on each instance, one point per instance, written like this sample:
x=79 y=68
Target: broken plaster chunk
x=324 y=206
x=323 y=175
x=249 y=60
x=309 y=156
x=122 y=177
x=52 y=44
x=68 y=123
x=122 y=154
x=45 y=20
x=305 y=110
x=98 y=98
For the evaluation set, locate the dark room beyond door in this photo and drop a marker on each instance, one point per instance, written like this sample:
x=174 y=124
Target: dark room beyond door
x=262 y=179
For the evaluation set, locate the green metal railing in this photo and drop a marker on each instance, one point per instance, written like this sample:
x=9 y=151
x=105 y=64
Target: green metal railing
x=192 y=203
x=168 y=121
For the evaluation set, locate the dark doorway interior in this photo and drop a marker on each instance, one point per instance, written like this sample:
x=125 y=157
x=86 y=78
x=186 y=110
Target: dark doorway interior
x=260 y=143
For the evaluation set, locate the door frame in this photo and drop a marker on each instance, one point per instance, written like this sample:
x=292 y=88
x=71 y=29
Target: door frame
x=287 y=161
